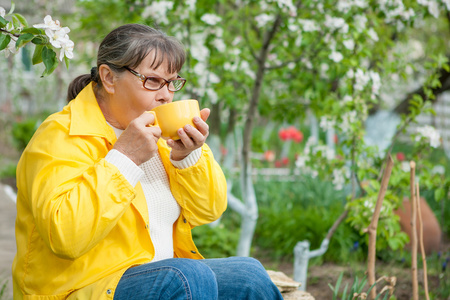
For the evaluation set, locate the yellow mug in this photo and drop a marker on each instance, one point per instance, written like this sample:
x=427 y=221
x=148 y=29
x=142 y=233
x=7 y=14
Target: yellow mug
x=175 y=115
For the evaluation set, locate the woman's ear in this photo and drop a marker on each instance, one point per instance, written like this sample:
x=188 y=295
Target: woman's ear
x=107 y=77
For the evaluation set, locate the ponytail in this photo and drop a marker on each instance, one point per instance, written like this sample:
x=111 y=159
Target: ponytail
x=80 y=83
x=77 y=85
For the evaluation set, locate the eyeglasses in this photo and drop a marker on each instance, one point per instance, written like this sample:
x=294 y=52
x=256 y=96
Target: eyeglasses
x=153 y=83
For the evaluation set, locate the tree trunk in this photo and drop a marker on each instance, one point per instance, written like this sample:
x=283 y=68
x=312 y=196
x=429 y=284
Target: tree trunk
x=249 y=220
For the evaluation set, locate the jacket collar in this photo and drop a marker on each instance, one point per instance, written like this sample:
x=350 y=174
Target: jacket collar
x=87 y=118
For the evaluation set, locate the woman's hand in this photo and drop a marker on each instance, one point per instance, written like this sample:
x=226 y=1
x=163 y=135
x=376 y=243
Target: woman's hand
x=191 y=138
x=138 y=141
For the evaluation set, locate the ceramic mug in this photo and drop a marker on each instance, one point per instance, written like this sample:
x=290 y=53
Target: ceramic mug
x=175 y=115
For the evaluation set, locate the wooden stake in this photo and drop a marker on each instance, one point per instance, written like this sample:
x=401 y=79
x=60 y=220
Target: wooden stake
x=422 y=248
x=372 y=229
x=415 y=288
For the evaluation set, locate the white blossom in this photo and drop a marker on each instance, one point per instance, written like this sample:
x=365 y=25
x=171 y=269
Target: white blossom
x=230 y=67
x=347 y=98
x=339 y=177
x=11 y=48
x=2 y=12
x=447 y=3
x=263 y=19
x=308 y=25
x=211 y=19
x=376 y=82
x=307 y=63
x=349 y=44
x=49 y=24
x=439 y=169
x=430 y=134
x=405 y=166
x=361 y=79
x=293 y=27
x=433 y=8
x=301 y=161
x=213 y=78
x=326 y=123
x=158 y=11
x=372 y=34
x=324 y=69
x=289 y=5
x=66 y=50
x=219 y=44
x=350 y=73
x=191 y=4
x=348 y=119
x=344 y=6
x=200 y=69
x=212 y=95
x=58 y=37
x=245 y=66
x=334 y=23
x=360 y=22
x=199 y=51
x=336 y=56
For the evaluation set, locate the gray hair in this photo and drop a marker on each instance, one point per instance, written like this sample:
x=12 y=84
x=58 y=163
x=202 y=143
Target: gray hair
x=127 y=46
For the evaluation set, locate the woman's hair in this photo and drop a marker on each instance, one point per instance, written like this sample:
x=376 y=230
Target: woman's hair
x=127 y=46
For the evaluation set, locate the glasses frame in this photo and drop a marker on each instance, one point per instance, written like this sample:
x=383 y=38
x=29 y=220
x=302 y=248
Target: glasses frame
x=144 y=79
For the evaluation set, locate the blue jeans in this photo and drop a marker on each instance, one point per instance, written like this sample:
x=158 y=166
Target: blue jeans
x=208 y=279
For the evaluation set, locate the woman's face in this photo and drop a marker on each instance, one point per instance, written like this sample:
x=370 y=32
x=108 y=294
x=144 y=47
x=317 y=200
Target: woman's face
x=130 y=99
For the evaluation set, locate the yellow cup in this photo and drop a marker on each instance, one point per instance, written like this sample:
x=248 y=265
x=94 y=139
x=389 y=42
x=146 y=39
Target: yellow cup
x=175 y=115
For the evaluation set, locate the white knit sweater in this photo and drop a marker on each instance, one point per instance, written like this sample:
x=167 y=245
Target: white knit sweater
x=163 y=209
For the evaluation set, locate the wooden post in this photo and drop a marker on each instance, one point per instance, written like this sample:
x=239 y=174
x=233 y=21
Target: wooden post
x=422 y=248
x=372 y=229
x=415 y=288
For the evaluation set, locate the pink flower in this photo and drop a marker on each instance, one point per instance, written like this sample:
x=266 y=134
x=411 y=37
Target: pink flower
x=291 y=133
x=223 y=150
x=400 y=156
x=269 y=156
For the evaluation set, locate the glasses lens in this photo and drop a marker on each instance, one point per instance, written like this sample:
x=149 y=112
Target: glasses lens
x=154 y=83
x=176 y=84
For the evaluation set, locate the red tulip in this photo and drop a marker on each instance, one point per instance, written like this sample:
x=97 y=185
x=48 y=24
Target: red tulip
x=400 y=156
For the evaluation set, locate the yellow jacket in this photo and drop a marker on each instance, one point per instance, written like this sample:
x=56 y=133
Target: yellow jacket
x=80 y=224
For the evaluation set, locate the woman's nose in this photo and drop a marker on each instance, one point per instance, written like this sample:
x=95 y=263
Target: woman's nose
x=164 y=95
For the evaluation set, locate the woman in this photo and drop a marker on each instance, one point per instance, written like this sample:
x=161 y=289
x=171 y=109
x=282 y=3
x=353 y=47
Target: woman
x=105 y=206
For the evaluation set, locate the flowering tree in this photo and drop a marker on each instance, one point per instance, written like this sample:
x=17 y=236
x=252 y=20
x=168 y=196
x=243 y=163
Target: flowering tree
x=46 y=37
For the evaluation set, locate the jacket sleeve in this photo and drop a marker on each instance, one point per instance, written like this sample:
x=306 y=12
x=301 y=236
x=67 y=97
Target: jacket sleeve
x=76 y=196
x=201 y=190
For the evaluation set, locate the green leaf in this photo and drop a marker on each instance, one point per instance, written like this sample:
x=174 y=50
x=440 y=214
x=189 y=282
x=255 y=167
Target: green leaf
x=23 y=39
x=3 y=22
x=32 y=30
x=50 y=61
x=13 y=6
x=37 y=55
x=4 y=41
x=16 y=22
x=21 y=19
x=39 y=40
x=66 y=60
x=439 y=194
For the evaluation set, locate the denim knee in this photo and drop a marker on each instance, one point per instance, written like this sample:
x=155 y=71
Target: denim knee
x=199 y=277
x=243 y=278
x=180 y=279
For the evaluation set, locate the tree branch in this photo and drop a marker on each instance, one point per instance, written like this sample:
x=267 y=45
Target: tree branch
x=7 y=32
x=403 y=107
x=372 y=229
